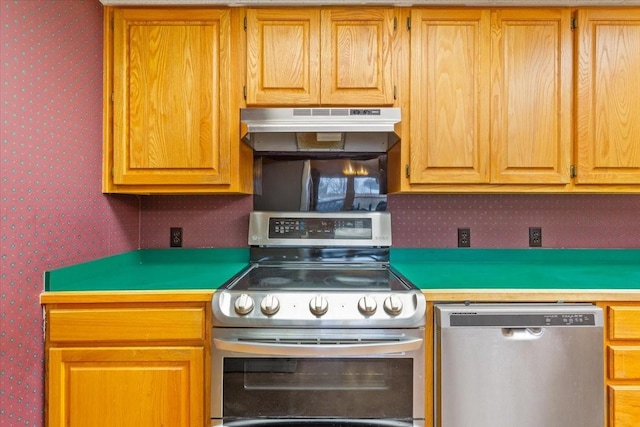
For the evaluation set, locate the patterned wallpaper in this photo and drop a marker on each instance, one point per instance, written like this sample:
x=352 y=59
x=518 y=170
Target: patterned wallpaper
x=52 y=210
x=503 y=221
x=427 y=221
x=53 y=214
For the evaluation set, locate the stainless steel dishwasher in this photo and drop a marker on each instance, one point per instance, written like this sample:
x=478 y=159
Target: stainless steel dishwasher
x=524 y=365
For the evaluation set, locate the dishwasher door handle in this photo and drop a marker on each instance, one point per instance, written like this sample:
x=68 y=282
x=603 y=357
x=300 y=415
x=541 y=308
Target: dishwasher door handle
x=522 y=334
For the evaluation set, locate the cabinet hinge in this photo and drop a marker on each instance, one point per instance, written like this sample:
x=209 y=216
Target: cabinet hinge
x=409 y=23
x=395 y=92
x=244 y=91
x=113 y=25
x=245 y=24
x=573 y=171
x=395 y=23
x=574 y=22
x=407 y=171
x=113 y=97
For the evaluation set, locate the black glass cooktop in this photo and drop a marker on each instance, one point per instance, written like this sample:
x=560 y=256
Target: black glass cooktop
x=311 y=277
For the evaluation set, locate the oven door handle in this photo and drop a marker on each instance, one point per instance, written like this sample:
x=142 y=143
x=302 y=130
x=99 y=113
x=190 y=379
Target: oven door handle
x=299 y=350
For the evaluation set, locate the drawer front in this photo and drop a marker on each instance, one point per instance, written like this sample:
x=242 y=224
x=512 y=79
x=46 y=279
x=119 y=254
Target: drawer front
x=624 y=362
x=624 y=406
x=624 y=323
x=126 y=324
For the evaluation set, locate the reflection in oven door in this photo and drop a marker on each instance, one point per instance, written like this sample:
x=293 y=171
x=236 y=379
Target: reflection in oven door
x=328 y=388
x=333 y=382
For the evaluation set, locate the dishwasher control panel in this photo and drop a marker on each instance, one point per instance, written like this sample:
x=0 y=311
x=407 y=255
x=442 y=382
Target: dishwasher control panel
x=518 y=315
x=522 y=320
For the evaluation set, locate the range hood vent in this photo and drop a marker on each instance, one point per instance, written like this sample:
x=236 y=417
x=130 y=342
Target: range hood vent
x=320 y=129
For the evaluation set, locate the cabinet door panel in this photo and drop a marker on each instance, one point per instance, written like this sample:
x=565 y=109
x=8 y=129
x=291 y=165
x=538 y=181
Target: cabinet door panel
x=283 y=56
x=450 y=96
x=624 y=362
x=171 y=96
x=624 y=410
x=356 y=56
x=531 y=96
x=608 y=96
x=624 y=323
x=125 y=387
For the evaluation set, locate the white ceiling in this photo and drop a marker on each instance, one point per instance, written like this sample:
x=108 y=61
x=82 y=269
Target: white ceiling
x=501 y=3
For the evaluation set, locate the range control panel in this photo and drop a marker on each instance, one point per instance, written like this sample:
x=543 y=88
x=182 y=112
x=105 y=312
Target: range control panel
x=320 y=228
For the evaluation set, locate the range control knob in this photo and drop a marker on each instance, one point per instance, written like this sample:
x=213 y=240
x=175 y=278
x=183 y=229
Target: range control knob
x=393 y=305
x=367 y=305
x=243 y=305
x=269 y=305
x=318 y=305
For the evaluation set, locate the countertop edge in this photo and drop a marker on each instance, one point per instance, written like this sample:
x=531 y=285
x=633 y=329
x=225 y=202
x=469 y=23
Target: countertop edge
x=123 y=296
x=531 y=295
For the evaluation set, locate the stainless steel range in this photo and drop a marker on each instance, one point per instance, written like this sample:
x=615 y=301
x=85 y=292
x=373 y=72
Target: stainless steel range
x=318 y=329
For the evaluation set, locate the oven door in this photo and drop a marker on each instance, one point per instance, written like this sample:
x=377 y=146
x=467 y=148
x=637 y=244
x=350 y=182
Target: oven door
x=317 y=377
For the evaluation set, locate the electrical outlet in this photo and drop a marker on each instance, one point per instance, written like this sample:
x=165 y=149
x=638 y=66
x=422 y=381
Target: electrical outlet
x=535 y=237
x=175 y=237
x=464 y=237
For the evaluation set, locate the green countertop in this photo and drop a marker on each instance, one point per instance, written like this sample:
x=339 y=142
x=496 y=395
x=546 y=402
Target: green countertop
x=428 y=269
x=539 y=269
x=152 y=270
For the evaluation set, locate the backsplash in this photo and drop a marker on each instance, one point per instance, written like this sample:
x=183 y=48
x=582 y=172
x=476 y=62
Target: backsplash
x=430 y=221
x=53 y=214
x=503 y=221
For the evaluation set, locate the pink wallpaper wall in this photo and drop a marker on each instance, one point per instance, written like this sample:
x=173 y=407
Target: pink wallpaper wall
x=424 y=221
x=503 y=221
x=53 y=214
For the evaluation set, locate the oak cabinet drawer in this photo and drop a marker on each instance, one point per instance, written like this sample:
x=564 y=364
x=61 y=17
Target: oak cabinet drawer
x=126 y=324
x=624 y=323
x=624 y=406
x=624 y=362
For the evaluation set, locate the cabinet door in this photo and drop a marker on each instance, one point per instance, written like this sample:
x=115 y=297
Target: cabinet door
x=283 y=56
x=608 y=96
x=356 y=56
x=531 y=96
x=450 y=59
x=171 y=96
x=624 y=362
x=624 y=406
x=126 y=387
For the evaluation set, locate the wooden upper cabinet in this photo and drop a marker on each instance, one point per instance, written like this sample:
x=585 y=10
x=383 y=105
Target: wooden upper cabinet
x=356 y=56
x=490 y=96
x=172 y=114
x=283 y=56
x=311 y=56
x=450 y=59
x=608 y=96
x=531 y=89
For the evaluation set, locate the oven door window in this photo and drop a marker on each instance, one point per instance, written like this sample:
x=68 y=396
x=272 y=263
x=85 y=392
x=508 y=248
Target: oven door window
x=315 y=387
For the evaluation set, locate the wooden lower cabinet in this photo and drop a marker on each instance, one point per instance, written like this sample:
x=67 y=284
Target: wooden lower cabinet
x=132 y=386
x=138 y=363
x=624 y=406
x=622 y=355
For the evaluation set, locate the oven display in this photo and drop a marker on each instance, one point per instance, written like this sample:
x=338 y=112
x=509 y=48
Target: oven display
x=320 y=228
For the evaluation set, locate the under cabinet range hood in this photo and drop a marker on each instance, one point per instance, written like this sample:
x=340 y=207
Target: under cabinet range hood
x=361 y=129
